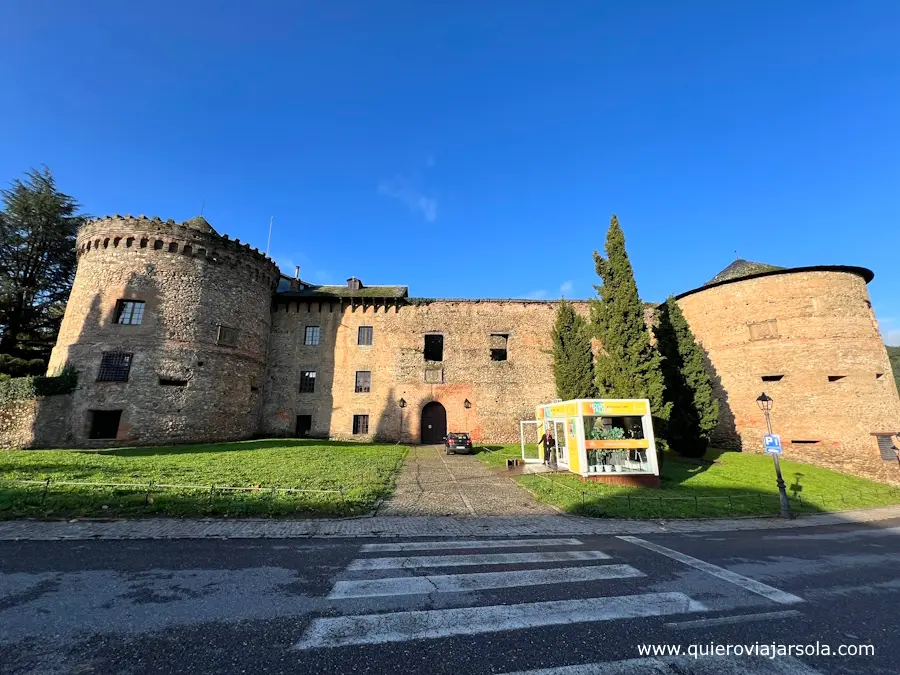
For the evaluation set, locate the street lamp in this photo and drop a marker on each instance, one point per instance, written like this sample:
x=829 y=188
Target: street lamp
x=402 y=404
x=765 y=404
x=467 y=403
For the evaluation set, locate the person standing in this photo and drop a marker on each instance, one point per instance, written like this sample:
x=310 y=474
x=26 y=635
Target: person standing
x=548 y=442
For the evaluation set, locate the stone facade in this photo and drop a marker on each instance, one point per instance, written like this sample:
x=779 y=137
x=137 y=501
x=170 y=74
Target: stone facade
x=500 y=393
x=810 y=341
x=36 y=423
x=222 y=349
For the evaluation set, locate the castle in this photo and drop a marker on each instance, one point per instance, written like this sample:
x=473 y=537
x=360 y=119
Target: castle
x=184 y=335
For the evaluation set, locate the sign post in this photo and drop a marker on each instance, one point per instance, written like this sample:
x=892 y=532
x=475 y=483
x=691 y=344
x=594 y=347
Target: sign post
x=772 y=444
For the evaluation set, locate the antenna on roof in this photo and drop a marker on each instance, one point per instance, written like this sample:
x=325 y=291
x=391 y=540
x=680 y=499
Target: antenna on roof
x=202 y=206
x=736 y=256
x=269 y=242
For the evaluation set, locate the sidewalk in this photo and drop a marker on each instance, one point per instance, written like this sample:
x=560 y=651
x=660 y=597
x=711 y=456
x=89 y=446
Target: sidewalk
x=408 y=526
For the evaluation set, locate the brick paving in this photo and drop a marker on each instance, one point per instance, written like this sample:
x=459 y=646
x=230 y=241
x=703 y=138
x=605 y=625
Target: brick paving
x=434 y=484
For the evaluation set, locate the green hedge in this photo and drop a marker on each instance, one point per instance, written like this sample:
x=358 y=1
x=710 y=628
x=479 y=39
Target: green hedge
x=28 y=388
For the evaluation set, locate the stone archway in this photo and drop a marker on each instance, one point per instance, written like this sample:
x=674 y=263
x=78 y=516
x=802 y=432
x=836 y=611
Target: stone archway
x=434 y=423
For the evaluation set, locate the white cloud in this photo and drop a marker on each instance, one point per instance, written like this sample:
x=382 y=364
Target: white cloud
x=405 y=190
x=536 y=295
x=565 y=289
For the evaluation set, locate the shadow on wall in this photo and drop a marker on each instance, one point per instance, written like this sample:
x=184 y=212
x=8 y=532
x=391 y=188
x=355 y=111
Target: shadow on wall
x=387 y=427
x=313 y=367
x=726 y=434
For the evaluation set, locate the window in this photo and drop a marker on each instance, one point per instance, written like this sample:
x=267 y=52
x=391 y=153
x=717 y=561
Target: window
x=499 y=343
x=365 y=336
x=794 y=442
x=763 y=330
x=254 y=384
x=360 y=424
x=226 y=337
x=363 y=381
x=312 y=335
x=307 y=381
x=129 y=312
x=304 y=425
x=434 y=347
x=772 y=378
x=104 y=423
x=114 y=367
x=886 y=447
x=835 y=378
x=167 y=382
x=879 y=376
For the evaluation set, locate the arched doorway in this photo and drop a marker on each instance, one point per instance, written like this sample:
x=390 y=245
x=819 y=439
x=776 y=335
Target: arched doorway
x=434 y=423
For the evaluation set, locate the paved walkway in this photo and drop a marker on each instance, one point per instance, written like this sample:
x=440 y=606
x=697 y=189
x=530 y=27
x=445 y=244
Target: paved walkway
x=435 y=484
x=408 y=526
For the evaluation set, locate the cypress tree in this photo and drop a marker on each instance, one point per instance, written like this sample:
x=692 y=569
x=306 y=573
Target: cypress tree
x=628 y=366
x=695 y=411
x=573 y=361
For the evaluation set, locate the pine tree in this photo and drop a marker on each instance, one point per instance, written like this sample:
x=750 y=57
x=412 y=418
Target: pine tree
x=573 y=361
x=695 y=411
x=38 y=225
x=628 y=365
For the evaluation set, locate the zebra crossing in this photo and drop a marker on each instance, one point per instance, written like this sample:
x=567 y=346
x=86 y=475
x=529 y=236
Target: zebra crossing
x=572 y=564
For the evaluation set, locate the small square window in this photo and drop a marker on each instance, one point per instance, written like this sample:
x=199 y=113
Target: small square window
x=365 y=336
x=226 y=337
x=307 y=381
x=499 y=342
x=115 y=367
x=312 y=335
x=363 y=381
x=360 y=424
x=129 y=312
x=105 y=423
x=886 y=447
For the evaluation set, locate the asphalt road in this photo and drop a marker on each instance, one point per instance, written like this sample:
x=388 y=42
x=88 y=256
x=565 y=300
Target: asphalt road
x=561 y=606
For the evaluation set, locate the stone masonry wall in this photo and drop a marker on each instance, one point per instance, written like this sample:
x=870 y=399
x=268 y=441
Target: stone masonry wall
x=500 y=392
x=191 y=282
x=36 y=423
x=805 y=327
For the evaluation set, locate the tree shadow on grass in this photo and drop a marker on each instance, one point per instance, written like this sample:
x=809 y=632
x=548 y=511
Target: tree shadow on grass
x=239 y=446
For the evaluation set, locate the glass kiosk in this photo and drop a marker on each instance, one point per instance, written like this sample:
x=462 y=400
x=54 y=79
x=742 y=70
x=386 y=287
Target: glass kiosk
x=600 y=439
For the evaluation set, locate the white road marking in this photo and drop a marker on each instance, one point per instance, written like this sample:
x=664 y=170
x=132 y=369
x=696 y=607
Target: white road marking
x=439 y=623
x=456 y=583
x=678 y=665
x=466 y=543
x=836 y=536
x=408 y=562
x=728 y=620
x=747 y=583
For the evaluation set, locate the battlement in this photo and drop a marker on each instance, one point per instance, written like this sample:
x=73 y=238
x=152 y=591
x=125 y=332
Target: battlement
x=194 y=238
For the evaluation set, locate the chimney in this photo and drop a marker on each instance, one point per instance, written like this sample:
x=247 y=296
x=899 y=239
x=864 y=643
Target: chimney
x=354 y=284
x=297 y=272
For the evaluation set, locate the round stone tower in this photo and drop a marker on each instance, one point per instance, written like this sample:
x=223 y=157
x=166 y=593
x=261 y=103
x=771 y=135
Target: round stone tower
x=167 y=324
x=808 y=338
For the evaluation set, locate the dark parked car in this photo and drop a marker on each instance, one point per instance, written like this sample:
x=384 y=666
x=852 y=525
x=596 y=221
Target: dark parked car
x=457 y=442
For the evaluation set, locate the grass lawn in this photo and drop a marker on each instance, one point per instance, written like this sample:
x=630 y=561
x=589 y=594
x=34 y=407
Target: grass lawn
x=357 y=475
x=725 y=484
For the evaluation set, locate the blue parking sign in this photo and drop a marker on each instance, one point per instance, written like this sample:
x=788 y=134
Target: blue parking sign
x=772 y=444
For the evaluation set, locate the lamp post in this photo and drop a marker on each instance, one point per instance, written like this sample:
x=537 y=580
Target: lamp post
x=402 y=404
x=765 y=404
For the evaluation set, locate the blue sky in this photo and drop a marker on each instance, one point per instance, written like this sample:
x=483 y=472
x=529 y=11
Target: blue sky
x=477 y=149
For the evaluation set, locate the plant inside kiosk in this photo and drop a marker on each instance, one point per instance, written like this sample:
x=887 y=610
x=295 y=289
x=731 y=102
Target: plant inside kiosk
x=609 y=440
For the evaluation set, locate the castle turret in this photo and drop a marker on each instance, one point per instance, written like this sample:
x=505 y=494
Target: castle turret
x=167 y=324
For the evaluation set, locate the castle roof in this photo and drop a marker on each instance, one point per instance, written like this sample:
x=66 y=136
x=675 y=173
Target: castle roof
x=329 y=292
x=740 y=269
x=200 y=224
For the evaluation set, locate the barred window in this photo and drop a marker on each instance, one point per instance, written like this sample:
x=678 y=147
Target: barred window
x=307 y=381
x=886 y=447
x=129 y=312
x=363 y=381
x=115 y=367
x=312 y=335
x=226 y=337
x=365 y=335
x=360 y=424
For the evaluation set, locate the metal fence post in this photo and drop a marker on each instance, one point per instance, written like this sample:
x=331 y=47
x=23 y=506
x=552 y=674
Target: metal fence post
x=147 y=496
x=46 y=487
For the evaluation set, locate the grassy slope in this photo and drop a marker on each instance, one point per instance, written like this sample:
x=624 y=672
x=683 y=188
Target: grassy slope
x=894 y=354
x=364 y=471
x=733 y=484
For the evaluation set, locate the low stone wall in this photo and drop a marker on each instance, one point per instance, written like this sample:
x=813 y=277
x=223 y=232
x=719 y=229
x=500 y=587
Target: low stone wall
x=36 y=423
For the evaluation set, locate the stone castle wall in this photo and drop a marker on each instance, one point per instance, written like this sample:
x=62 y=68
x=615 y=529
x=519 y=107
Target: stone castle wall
x=191 y=282
x=809 y=339
x=500 y=392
